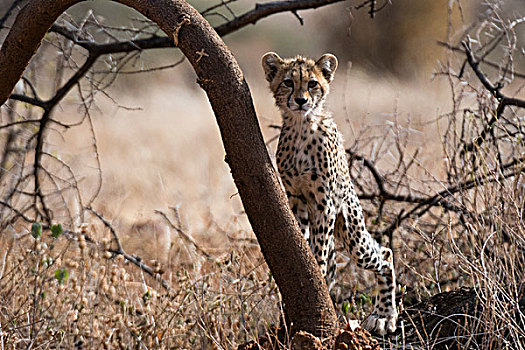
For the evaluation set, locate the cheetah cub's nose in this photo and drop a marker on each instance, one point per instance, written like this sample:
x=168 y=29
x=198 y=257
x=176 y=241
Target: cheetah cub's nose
x=300 y=101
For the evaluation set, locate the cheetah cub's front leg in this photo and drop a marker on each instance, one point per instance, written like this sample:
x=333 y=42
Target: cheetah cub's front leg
x=367 y=253
x=312 y=163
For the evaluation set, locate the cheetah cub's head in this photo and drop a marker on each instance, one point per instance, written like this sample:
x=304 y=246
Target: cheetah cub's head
x=299 y=84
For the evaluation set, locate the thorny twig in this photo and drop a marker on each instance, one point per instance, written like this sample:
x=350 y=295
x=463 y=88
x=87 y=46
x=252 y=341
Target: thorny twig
x=183 y=234
x=495 y=90
x=131 y=258
x=372 y=6
x=484 y=61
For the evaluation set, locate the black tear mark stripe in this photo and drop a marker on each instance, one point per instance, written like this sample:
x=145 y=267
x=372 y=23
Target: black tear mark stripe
x=289 y=96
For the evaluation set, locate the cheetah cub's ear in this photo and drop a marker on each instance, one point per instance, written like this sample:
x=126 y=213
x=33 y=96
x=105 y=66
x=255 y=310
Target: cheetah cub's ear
x=271 y=63
x=328 y=64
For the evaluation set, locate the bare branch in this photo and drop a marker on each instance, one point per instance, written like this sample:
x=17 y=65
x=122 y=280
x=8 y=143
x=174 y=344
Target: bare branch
x=214 y=7
x=183 y=234
x=120 y=251
x=495 y=90
x=299 y=18
x=31 y=100
x=18 y=212
x=9 y=11
x=266 y=9
x=484 y=60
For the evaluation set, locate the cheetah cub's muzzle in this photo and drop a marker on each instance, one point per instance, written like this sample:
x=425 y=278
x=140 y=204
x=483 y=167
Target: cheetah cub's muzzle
x=312 y=163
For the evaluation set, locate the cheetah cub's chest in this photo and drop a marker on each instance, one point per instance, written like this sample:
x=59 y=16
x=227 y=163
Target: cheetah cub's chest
x=307 y=155
x=296 y=148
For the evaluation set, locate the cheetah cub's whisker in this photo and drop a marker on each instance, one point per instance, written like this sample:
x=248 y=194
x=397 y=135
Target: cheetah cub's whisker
x=313 y=167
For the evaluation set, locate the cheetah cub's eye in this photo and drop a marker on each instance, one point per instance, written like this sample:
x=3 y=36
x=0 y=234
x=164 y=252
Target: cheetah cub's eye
x=312 y=84
x=288 y=82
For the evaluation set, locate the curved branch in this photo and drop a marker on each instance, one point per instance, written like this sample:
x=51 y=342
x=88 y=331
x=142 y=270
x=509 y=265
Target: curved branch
x=380 y=181
x=251 y=17
x=301 y=284
x=156 y=42
x=30 y=100
x=266 y=9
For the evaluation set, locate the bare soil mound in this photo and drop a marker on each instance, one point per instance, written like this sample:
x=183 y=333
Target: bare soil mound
x=358 y=339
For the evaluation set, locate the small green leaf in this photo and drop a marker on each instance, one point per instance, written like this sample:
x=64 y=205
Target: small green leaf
x=36 y=230
x=364 y=299
x=56 y=230
x=123 y=305
x=61 y=275
x=346 y=306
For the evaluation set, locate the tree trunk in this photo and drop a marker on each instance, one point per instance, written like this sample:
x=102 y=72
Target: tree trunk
x=302 y=286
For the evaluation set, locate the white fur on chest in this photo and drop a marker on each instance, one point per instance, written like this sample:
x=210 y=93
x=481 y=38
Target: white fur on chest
x=300 y=147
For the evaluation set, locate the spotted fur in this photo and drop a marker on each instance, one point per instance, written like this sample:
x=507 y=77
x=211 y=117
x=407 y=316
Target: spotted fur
x=314 y=170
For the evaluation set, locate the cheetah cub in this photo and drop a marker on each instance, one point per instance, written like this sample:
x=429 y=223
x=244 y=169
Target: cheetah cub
x=313 y=167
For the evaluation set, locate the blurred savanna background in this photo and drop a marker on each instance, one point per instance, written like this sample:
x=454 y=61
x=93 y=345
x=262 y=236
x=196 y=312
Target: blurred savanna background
x=173 y=152
x=135 y=154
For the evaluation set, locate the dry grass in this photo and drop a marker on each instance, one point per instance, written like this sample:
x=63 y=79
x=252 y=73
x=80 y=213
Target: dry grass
x=100 y=301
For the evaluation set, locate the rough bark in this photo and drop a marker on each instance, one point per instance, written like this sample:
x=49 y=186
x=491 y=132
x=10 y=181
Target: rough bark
x=303 y=289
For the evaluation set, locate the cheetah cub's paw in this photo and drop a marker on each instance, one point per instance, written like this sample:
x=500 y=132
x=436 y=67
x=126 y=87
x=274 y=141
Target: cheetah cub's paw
x=381 y=324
